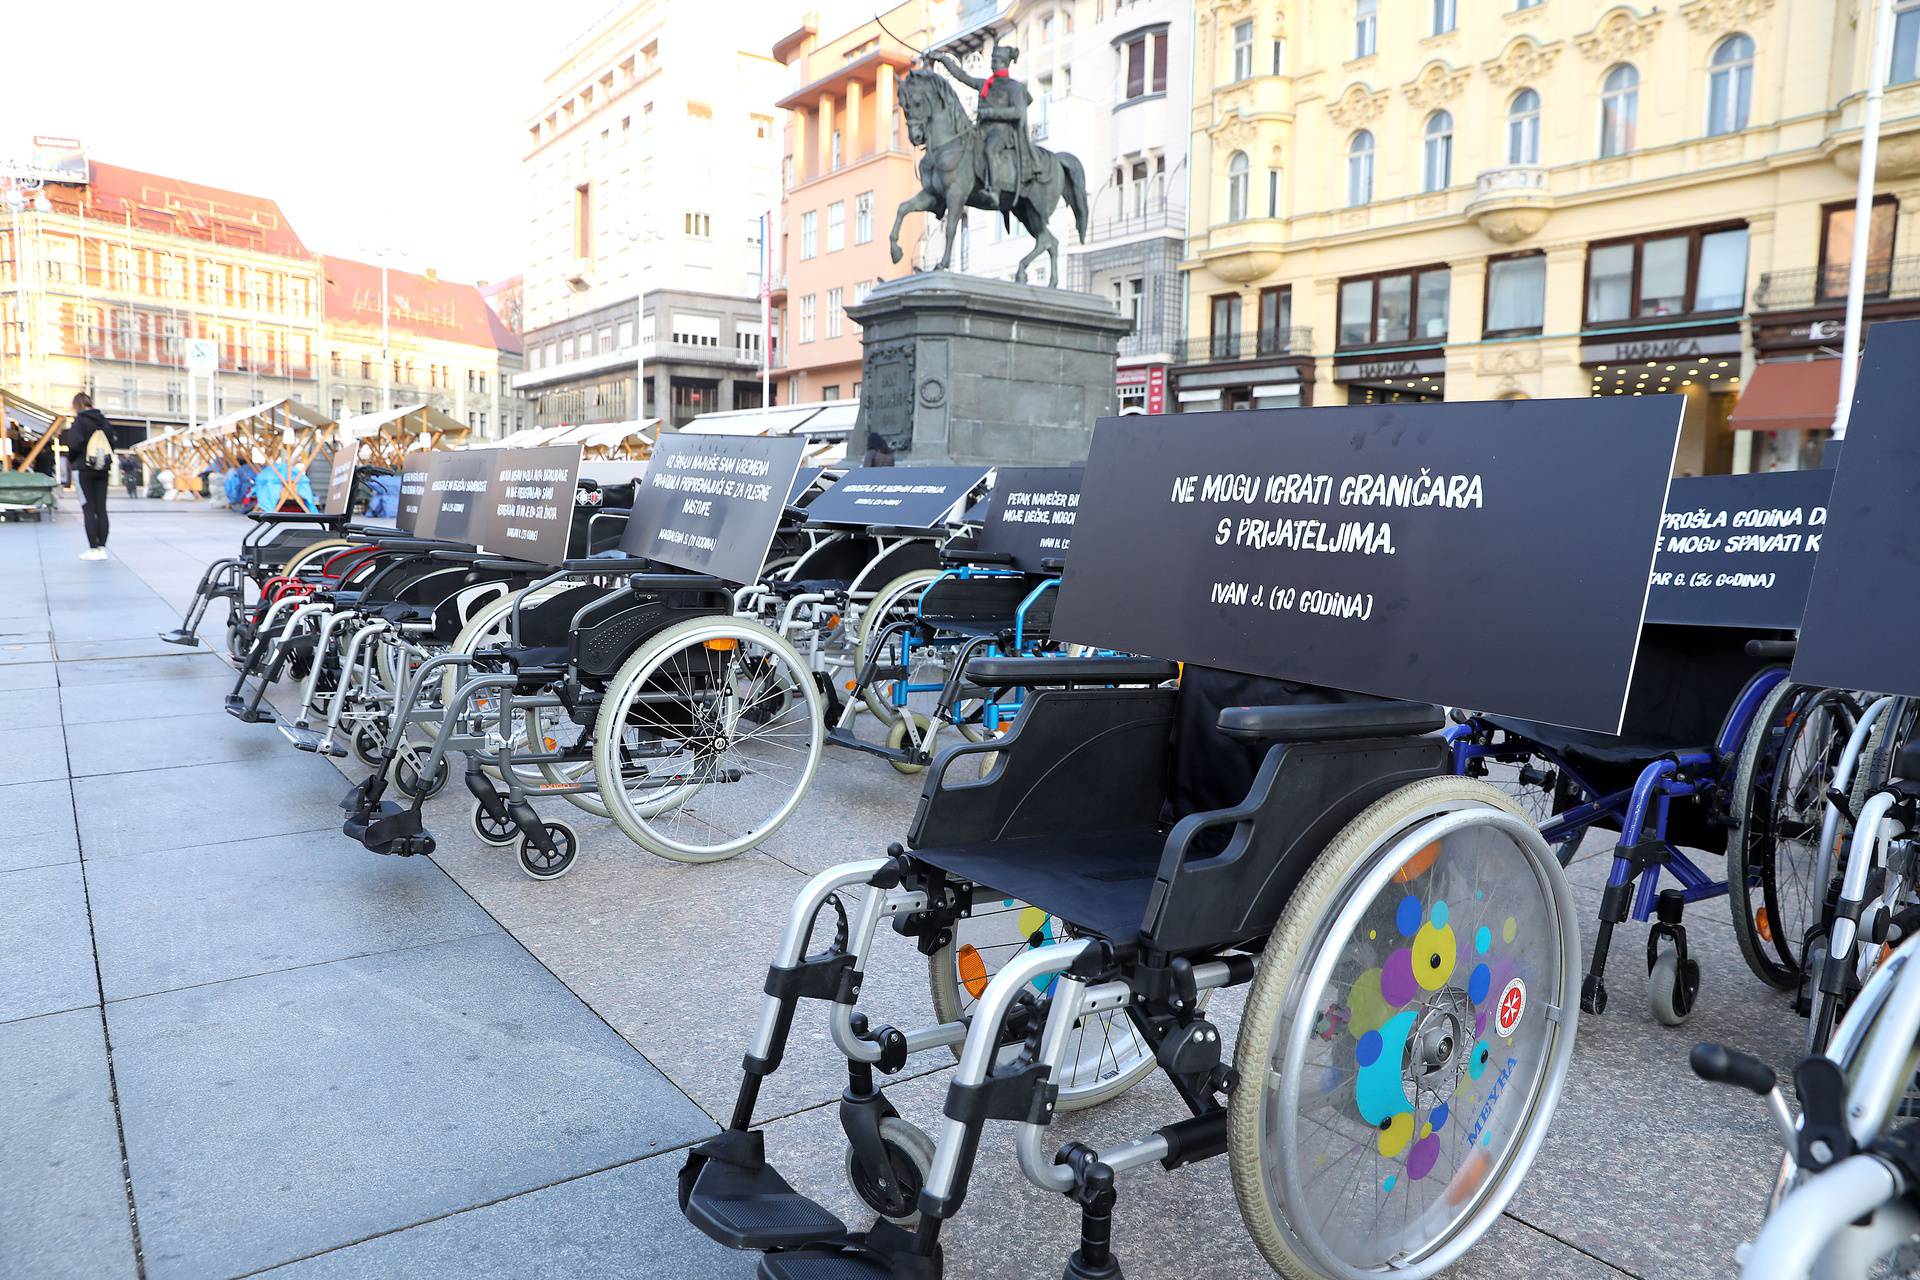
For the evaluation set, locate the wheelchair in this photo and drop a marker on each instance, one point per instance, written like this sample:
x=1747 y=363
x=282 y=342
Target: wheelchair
x=1702 y=697
x=1406 y=937
x=638 y=695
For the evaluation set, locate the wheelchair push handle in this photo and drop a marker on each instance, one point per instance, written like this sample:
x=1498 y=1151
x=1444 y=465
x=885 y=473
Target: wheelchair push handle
x=1778 y=649
x=967 y=556
x=1718 y=1064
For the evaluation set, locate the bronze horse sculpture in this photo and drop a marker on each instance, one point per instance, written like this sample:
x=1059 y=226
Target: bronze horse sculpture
x=953 y=175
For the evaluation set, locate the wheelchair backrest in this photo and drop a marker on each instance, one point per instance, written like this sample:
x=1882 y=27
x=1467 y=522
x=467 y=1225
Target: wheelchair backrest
x=1685 y=682
x=979 y=599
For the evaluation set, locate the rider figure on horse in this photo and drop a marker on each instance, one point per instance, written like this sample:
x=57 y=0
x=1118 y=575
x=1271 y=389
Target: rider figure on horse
x=1011 y=159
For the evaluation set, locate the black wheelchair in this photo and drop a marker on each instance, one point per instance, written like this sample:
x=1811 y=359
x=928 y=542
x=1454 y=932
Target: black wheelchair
x=1408 y=937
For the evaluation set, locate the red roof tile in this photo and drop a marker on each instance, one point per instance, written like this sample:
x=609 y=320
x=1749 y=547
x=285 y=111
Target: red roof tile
x=174 y=207
x=430 y=308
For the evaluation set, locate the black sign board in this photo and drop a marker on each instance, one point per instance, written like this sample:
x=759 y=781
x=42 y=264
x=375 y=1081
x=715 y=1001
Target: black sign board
x=802 y=481
x=1469 y=554
x=526 y=510
x=346 y=453
x=1738 y=551
x=711 y=503
x=1863 y=608
x=413 y=488
x=1030 y=516
x=909 y=497
x=453 y=508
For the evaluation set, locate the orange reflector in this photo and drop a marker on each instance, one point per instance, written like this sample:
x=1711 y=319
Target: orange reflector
x=973 y=970
x=1418 y=864
x=722 y=643
x=551 y=745
x=852 y=685
x=1473 y=1172
x=1763 y=923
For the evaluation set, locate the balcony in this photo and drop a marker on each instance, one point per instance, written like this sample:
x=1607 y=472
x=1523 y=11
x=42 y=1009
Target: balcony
x=1156 y=216
x=1511 y=204
x=1827 y=286
x=1266 y=345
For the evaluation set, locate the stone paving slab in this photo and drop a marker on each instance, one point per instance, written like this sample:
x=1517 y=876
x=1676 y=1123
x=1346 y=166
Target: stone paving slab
x=34 y=755
x=63 y=1200
x=38 y=651
x=46 y=951
x=28 y=675
x=83 y=704
x=176 y=664
x=270 y=1118
x=22 y=709
x=209 y=736
x=200 y=804
x=150 y=646
x=191 y=916
x=623 y=1224
x=39 y=818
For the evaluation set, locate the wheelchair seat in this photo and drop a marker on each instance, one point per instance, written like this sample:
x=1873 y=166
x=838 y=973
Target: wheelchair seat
x=1597 y=750
x=1099 y=882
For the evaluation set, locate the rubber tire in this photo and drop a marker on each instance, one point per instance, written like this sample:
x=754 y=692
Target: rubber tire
x=368 y=752
x=1663 y=994
x=607 y=728
x=561 y=834
x=1753 y=948
x=478 y=820
x=879 y=607
x=1282 y=962
x=906 y=1139
x=440 y=779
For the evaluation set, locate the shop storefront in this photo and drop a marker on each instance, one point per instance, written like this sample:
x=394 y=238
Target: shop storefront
x=1142 y=388
x=1700 y=364
x=1399 y=379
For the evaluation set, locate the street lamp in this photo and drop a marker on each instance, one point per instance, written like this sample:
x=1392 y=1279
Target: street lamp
x=642 y=236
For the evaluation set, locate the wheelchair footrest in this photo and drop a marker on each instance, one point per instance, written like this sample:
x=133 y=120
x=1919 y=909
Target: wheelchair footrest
x=304 y=739
x=237 y=707
x=392 y=828
x=846 y=738
x=753 y=1207
x=824 y=1263
x=180 y=635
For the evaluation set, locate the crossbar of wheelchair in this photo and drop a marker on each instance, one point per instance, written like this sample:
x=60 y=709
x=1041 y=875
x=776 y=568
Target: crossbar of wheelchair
x=312 y=687
x=1020 y=611
x=1867 y=834
x=791 y=949
x=450 y=715
x=878 y=904
x=349 y=662
x=410 y=691
x=1464 y=746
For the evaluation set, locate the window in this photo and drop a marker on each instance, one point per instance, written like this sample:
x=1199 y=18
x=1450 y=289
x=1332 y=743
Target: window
x=1836 y=248
x=1360 y=169
x=830 y=392
x=1365 y=27
x=1237 y=187
x=1130 y=299
x=1516 y=294
x=1525 y=4
x=1730 y=84
x=1273 y=193
x=1906 y=41
x=1669 y=274
x=862 y=290
x=583 y=220
x=863 y=217
x=835 y=145
x=1404 y=306
x=1279 y=56
x=1436 y=155
x=809 y=234
x=1243 y=50
x=1143 y=64
x=699 y=226
x=1523 y=128
x=1444 y=16
x=836 y=226
x=1226 y=326
x=1619 y=110
x=836 y=319
x=1139 y=175
x=806 y=319
x=1276 y=321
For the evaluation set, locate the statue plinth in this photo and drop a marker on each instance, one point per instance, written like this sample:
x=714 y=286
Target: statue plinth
x=960 y=369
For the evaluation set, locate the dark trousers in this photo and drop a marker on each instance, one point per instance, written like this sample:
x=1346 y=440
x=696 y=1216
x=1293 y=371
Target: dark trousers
x=93 y=503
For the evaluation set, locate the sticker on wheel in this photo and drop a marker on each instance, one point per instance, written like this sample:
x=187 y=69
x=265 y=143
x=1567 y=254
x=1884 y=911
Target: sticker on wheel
x=1513 y=1003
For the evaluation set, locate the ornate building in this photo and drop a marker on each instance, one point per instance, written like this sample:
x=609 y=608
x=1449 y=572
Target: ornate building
x=1417 y=199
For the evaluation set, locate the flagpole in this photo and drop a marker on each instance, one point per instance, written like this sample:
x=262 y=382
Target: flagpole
x=1863 y=211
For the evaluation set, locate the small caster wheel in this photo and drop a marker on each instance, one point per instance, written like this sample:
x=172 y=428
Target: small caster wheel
x=543 y=866
x=406 y=775
x=236 y=643
x=897 y=741
x=369 y=740
x=497 y=833
x=1593 y=995
x=910 y=1151
x=1673 y=987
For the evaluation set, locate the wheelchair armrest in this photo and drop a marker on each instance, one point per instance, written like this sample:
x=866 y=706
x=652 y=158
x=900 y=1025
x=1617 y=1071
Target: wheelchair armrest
x=963 y=556
x=1028 y=673
x=1053 y=564
x=602 y=564
x=1329 y=722
x=653 y=582
x=1778 y=649
x=295 y=517
x=903 y=531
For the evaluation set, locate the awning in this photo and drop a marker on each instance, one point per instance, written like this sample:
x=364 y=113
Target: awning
x=1788 y=395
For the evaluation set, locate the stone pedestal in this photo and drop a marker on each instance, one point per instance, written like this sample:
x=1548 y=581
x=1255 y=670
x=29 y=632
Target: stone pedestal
x=960 y=369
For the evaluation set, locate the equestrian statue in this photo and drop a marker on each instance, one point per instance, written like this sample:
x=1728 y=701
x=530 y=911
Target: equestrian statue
x=988 y=163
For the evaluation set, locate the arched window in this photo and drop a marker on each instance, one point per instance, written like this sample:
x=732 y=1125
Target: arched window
x=1523 y=128
x=1360 y=169
x=1619 y=110
x=1730 y=84
x=1237 y=187
x=1436 y=164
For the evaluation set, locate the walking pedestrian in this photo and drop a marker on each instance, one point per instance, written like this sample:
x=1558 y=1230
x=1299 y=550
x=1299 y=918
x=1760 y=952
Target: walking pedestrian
x=90 y=446
x=130 y=474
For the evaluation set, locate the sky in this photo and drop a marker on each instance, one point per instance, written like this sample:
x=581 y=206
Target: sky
x=394 y=126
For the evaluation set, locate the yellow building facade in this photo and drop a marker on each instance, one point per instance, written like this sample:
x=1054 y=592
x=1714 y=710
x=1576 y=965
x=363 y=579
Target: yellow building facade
x=1477 y=199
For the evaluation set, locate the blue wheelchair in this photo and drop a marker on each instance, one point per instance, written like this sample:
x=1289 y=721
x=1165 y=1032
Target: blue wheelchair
x=1666 y=783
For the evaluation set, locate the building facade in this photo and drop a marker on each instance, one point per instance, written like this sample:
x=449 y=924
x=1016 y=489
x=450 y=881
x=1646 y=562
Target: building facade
x=652 y=168
x=1111 y=84
x=100 y=290
x=1405 y=201
x=392 y=338
x=504 y=297
x=845 y=168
